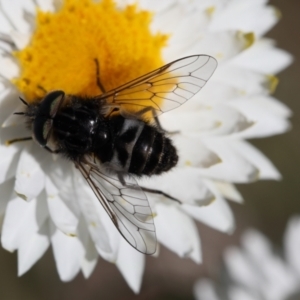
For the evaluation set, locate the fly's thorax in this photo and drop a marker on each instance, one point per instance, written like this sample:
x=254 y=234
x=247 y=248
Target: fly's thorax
x=77 y=129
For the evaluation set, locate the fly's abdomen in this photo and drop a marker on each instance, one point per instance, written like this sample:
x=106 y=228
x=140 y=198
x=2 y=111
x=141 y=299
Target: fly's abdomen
x=153 y=153
x=138 y=148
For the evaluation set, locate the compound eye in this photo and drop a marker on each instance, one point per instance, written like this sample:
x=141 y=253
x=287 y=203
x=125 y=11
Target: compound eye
x=51 y=104
x=42 y=129
x=47 y=110
x=46 y=129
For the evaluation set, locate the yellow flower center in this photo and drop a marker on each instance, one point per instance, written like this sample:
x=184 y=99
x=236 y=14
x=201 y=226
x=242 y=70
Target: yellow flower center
x=65 y=44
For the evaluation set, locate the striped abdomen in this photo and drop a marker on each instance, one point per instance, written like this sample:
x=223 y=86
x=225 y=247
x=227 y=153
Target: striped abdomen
x=141 y=149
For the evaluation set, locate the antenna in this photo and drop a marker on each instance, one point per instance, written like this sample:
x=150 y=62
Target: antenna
x=23 y=101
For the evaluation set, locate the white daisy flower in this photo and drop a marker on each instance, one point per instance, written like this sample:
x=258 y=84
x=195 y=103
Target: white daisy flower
x=50 y=44
x=256 y=271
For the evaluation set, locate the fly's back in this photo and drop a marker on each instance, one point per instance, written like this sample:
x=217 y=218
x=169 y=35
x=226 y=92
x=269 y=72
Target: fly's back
x=125 y=145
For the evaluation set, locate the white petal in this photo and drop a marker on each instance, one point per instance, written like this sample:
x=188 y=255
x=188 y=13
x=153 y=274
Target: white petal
x=6 y=194
x=177 y=231
x=180 y=44
x=241 y=269
x=217 y=215
x=75 y=187
x=5 y=25
x=32 y=249
x=221 y=45
x=9 y=68
x=8 y=103
x=184 y=184
x=9 y=133
x=233 y=168
x=22 y=220
x=12 y=119
x=266 y=123
x=61 y=174
x=62 y=214
x=266 y=169
x=292 y=243
x=192 y=152
x=204 y=290
x=170 y=20
x=244 y=80
x=246 y=16
x=155 y=5
x=272 y=105
x=238 y=293
x=94 y=220
x=229 y=191
x=217 y=120
x=89 y=261
x=2 y=87
x=217 y=92
x=68 y=253
x=4 y=49
x=279 y=280
x=30 y=178
x=14 y=10
x=21 y=40
x=46 y=5
x=8 y=162
x=131 y=264
x=264 y=58
x=90 y=257
x=256 y=245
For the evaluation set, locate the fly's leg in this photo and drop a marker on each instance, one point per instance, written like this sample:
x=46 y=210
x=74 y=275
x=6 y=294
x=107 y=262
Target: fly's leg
x=9 y=142
x=100 y=85
x=52 y=151
x=160 y=193
x=41 y=88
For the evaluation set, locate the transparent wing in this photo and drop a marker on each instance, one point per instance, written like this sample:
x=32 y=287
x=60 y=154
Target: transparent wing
x=126 y=205
x=165 y=88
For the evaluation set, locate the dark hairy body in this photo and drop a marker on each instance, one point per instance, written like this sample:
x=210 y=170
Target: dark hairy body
x=122 y=144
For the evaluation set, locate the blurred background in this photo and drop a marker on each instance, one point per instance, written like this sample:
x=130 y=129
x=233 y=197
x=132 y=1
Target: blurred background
x=267 y=207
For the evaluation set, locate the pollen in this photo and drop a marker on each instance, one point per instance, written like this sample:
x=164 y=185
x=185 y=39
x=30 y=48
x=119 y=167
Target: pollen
x=66 y=44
